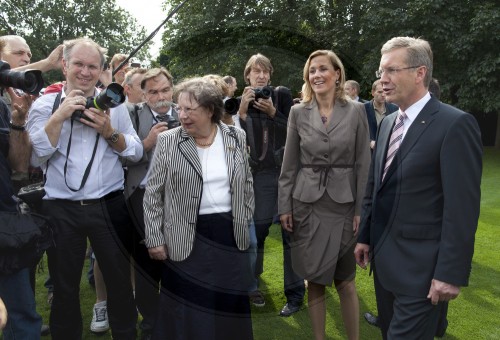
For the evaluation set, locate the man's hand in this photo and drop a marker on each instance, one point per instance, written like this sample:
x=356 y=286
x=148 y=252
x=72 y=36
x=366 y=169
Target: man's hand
x=158 y=253
x=20 y=105
x=72 y=102
x=54 y=60
x=287 y=222
x=442 y=291
x=247 y=97
x=362 y=254
x=100 y=121
x=150 y=141
x=355 y=224
x=106 y=77
x=266 y=106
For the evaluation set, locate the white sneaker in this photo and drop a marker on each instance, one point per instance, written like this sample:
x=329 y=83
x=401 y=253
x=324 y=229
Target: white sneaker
x=100 y=322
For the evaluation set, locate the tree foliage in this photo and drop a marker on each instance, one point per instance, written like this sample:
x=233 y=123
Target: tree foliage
x=47 y=23
x=219 y=37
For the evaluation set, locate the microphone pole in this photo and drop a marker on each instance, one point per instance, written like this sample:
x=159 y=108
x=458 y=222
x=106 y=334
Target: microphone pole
x=149 y=37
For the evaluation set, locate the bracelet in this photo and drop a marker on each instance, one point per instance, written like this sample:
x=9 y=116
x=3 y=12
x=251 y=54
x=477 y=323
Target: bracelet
x=17 y=127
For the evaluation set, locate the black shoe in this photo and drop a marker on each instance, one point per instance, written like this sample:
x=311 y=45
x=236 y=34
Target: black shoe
x=371 y=319
x=45 y=330
x=289 y=309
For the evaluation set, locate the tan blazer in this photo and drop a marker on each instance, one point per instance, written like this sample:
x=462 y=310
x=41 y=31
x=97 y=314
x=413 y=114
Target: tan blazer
x=344 y=144
x=174 y=189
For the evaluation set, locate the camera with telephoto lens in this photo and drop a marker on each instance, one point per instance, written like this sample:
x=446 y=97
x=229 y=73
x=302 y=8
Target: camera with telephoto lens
x=170 y=120
x=110 y=97
x=30 y=81
x=231 y=106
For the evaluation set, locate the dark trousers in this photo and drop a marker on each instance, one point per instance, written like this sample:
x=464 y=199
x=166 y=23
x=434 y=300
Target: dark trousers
x=147 y=270
x=405 y=317
x=73 y=223
x=266 y=197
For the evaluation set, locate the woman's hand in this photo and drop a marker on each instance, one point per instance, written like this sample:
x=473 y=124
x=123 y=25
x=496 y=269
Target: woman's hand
x=158 y=253
x=355 y=224
x=287 y=222
x=3 y=315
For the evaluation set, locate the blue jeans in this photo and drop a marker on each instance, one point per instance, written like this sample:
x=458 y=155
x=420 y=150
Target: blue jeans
x=265 y=188
x=23 y=321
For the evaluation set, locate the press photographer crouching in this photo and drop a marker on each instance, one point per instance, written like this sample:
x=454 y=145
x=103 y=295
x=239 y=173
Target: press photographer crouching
x=263 y=115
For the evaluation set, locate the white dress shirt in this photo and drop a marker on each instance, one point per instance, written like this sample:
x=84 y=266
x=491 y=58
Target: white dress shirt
x=106 y=174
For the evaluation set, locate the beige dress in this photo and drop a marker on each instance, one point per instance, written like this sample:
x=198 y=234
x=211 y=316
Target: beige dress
x=322 y=184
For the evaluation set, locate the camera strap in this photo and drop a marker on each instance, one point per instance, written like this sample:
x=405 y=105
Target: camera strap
x=89 y=166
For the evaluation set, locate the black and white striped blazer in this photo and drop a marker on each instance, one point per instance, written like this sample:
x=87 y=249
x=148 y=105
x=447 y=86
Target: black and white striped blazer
x=174 y=189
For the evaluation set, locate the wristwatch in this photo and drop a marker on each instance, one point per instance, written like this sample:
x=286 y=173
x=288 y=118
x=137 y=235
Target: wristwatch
x=114 y=136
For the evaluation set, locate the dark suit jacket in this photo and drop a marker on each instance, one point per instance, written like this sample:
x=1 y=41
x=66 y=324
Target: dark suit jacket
x=142 y=120
x=421 y=220
x=372 y=120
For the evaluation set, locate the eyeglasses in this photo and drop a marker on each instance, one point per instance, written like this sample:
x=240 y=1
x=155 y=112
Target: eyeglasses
x=187 y=110
x=390 y=71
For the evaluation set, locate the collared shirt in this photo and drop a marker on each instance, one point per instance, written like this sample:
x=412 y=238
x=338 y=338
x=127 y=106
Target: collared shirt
x=413 y=111
x=379 y=115
x=106 y=174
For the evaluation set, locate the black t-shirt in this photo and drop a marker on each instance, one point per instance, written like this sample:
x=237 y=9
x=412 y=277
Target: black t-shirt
x=7 y=203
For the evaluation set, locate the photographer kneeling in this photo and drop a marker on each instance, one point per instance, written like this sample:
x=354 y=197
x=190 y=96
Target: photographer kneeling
x=264 y=113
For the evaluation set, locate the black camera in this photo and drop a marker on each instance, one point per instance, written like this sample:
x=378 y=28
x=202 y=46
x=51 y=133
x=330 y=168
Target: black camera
x=170 y=120
x=30 y=81
x=231 y=106
x=263 y=92
x=110 y=97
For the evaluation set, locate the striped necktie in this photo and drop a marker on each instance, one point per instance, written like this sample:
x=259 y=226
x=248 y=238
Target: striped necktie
x=395 y=142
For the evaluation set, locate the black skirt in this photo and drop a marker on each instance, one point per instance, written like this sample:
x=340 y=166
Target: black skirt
x=206 y=295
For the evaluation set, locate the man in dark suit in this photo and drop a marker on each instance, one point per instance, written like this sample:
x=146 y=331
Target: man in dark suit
x=422 y=200
x=377 y=109
x=149 y=119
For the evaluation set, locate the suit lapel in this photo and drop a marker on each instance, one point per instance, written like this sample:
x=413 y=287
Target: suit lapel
x=145 y=121
x=230 y=142
x=188 y=150
x=423 y=120
x=338 y=115
x=382 y=143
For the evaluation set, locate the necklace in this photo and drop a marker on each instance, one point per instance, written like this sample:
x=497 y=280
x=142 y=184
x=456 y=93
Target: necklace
x=324 y=119
x=214 y=133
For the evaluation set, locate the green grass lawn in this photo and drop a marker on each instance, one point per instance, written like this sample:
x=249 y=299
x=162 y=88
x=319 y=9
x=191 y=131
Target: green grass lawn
x=475 y=314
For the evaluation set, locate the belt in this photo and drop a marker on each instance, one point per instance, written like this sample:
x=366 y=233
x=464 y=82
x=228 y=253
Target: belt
x=97 y=200
x=325 y=168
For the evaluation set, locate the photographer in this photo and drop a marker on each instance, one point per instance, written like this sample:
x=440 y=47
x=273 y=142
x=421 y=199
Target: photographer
x=84 y=188
x=15 y=289
x=263 y=116
x=149 y=119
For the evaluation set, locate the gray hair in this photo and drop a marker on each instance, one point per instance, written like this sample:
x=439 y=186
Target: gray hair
x=69 y=45
x=419 y=53
x=205 y=93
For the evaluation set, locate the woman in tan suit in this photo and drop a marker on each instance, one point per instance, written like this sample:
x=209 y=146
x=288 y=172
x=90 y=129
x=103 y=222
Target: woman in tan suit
x=321 y=186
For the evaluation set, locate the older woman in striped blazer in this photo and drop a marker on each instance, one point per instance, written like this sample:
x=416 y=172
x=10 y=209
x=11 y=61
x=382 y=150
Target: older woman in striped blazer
x=197 y=207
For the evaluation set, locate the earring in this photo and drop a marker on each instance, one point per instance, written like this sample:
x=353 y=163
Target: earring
x=337 y=83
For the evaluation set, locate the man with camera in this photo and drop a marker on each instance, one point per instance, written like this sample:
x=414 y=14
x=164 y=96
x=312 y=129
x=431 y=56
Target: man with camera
x=23 y=321
x=84 y=187
x=150 y=118
x=263 y=114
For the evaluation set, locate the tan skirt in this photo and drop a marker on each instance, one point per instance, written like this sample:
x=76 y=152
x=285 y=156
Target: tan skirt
x=323 y=241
